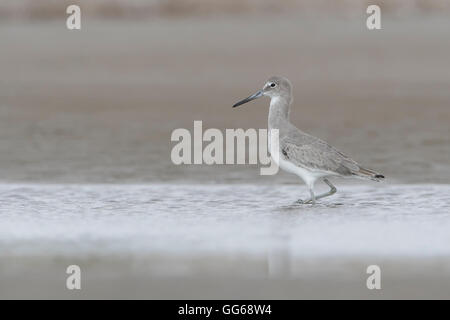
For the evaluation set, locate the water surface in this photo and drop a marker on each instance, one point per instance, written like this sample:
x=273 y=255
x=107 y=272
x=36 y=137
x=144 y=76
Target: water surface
x=193 y=220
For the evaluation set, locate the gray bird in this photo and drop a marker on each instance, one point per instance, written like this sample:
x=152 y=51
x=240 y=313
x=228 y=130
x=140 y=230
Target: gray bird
x=299 y=153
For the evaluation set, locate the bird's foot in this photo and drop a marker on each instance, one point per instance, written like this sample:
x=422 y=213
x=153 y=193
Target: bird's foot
x=300 y=201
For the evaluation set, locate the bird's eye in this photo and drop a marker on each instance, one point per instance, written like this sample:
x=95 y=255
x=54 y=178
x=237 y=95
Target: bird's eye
x=273 y=85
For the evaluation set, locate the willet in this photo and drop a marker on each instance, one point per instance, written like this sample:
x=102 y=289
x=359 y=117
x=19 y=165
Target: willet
x=299 y=153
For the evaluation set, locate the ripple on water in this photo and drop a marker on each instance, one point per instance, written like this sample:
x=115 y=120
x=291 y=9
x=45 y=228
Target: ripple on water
x=248 y=219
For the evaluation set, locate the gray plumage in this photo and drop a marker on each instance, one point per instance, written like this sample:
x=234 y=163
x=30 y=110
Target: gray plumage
x=300 y=153
x=313 y=153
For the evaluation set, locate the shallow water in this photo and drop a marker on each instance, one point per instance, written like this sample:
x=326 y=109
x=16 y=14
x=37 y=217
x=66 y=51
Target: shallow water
x=225 y=220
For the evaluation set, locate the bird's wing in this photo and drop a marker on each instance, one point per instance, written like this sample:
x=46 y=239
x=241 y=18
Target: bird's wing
x=313 y=153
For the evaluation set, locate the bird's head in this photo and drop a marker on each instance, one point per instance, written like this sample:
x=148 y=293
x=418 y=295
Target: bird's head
x=273 y=88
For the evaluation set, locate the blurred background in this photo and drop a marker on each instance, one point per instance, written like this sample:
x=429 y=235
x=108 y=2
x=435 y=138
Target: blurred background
x=99 y=104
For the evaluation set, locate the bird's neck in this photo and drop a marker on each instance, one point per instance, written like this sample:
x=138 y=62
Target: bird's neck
x=279 y=111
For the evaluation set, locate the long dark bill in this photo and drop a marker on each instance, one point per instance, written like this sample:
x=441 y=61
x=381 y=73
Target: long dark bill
x=252 y=97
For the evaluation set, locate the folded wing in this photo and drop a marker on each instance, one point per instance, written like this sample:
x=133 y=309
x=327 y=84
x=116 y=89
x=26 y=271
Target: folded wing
x=313 y=153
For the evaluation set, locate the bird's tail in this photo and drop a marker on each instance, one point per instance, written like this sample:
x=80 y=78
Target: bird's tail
x=368 y=174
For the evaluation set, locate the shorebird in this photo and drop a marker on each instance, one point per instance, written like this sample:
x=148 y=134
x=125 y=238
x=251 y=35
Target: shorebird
x=299 y=153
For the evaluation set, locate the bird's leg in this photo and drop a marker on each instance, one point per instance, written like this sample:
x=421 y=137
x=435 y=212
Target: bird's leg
x=313 y=197
x=329 y=193
x=320 y=196
x=311 y=200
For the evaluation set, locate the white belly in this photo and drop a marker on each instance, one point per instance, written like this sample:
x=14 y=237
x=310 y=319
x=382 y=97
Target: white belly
x=308 y=176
